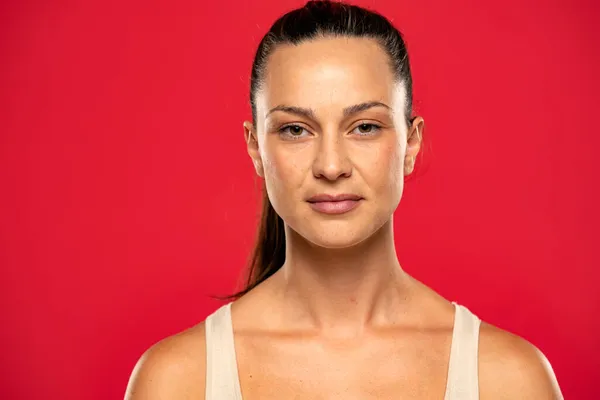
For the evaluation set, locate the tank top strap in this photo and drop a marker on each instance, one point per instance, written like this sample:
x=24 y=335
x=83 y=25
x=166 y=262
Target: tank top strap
x=222 y=380
x=463 y=377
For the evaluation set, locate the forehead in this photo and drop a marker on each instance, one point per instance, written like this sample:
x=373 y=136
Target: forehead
x=329 y=73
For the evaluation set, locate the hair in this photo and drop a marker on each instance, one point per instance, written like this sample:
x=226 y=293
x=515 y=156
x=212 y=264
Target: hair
x=317 y=19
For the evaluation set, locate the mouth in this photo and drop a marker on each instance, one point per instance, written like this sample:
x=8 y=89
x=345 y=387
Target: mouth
x=334 y=204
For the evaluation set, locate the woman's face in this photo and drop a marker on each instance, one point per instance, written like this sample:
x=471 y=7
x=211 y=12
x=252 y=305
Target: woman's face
x=330 y=122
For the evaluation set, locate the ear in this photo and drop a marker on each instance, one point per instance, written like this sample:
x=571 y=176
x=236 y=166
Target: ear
x=413 y=144
x=252 y=147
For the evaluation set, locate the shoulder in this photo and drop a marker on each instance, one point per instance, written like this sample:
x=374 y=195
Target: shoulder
x=174 y=368
x=512 y=368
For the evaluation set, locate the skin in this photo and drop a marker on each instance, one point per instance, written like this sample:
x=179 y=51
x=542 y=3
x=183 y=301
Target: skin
x=341 y=319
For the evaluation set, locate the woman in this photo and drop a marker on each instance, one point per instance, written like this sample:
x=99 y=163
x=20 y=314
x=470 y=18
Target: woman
x=328 y=311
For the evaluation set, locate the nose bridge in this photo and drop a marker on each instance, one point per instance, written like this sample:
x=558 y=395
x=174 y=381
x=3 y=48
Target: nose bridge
x=331 y=160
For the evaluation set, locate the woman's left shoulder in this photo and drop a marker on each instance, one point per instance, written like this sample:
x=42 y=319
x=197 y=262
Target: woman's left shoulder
x=510 y=367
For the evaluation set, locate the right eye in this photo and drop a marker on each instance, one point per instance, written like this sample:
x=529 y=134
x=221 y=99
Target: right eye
x=292 y=132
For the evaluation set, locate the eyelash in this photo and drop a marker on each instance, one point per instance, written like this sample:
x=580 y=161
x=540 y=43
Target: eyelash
x=285 y=128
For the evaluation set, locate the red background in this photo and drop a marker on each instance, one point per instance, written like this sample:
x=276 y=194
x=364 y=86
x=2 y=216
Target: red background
x=127 y=196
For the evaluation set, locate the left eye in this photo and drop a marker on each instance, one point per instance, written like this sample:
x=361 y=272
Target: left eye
x=366 y=129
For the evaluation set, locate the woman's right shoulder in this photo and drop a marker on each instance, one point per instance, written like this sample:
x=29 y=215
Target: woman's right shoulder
x=173 y=368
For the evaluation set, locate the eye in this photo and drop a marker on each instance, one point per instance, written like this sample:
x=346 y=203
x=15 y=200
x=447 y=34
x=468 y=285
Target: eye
x=366 y=129
x=292 y=132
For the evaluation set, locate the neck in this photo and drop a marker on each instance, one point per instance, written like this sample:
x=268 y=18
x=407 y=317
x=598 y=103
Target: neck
x=344 y=289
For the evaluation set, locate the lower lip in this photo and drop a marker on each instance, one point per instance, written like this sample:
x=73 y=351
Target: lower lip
x=334 y=207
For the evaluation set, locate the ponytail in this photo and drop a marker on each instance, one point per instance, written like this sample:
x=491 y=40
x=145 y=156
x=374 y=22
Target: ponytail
x=269 y=252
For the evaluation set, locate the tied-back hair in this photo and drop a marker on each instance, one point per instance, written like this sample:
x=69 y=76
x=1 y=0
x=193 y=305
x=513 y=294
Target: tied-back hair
x=317 y=19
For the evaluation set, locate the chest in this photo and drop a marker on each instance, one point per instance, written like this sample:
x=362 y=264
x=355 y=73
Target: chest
x=408 y=365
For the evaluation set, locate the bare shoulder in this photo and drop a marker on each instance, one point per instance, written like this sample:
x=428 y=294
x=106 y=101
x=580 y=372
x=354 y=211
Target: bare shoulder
x=174 y=368
x=512 y=368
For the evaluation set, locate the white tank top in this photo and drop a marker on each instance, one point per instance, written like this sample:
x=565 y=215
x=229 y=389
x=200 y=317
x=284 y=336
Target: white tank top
x=223 y=383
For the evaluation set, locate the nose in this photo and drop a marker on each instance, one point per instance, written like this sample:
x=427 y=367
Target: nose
x=331 y=161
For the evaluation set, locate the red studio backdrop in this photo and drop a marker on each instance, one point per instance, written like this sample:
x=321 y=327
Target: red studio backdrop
x=128 y=200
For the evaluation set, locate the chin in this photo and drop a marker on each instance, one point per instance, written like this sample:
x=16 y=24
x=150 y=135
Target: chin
x=335 y=241
x=337 y=234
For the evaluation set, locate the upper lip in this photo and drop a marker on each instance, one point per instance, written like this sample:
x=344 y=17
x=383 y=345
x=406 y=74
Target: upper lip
x=333 y=197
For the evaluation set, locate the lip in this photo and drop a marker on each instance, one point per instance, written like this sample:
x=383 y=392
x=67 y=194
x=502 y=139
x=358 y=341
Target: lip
x=333 y=197
x=334 y=204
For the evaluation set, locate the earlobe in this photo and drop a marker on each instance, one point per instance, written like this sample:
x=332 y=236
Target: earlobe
x=409 y=164
x=259 y=168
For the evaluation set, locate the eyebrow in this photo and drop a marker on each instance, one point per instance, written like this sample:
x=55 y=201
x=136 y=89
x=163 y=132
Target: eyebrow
x=309 y=113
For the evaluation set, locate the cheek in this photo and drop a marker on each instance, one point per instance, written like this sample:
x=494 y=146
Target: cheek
x=394 y=154
x=277 y=166
x=284 y=171
x=397 y=164
x=384 y=168
x=385 y=177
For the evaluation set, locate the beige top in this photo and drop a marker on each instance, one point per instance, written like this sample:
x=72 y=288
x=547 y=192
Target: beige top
x=223 y=383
